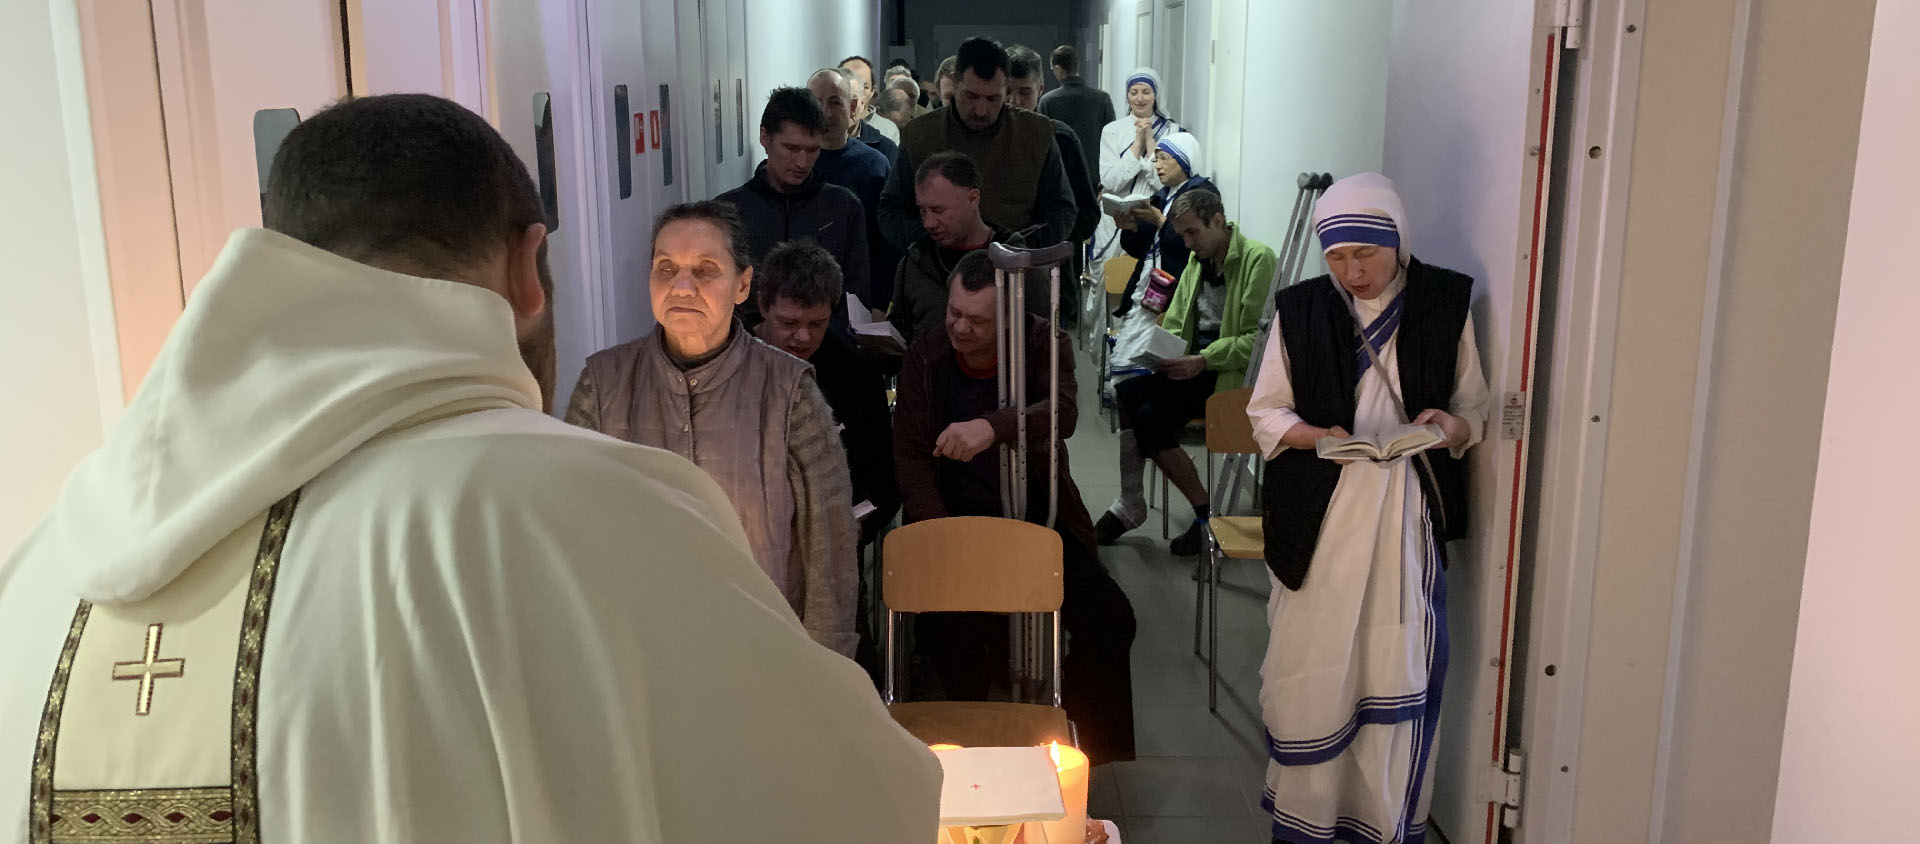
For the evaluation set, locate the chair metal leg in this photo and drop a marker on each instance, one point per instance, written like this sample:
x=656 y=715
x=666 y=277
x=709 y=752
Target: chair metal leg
x=1213 y=632
x=1166 y=531
x=1200 y=595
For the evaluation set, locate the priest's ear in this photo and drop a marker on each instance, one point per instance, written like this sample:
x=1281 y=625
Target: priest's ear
x=529 y=282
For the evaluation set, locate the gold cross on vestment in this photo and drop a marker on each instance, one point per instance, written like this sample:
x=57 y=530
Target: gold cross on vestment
x=148 y=669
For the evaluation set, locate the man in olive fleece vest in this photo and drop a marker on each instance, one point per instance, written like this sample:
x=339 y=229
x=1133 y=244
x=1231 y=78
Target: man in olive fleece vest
x=1024 y=177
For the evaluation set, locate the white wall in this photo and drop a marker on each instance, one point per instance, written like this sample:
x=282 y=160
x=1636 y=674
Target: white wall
x=1457 y=130
x=1846 y=768
x=55 y=283
x=1310 y=103
x=787 y=40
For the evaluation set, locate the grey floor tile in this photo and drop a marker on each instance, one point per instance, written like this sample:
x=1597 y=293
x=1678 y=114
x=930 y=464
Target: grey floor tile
x=1179 y=729
x=1173 y=830
x=1164 y=786
x=1103 y=793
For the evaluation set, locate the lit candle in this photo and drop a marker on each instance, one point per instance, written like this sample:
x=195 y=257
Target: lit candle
x=1072 y=765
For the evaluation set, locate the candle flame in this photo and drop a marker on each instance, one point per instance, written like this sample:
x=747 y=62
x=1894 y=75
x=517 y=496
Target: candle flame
x=939 y=747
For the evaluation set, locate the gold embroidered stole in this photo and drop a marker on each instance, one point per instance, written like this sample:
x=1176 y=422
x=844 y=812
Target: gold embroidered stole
x=149 y=729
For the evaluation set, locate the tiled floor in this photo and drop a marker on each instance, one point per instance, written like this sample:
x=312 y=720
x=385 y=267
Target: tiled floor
x=1200 y=775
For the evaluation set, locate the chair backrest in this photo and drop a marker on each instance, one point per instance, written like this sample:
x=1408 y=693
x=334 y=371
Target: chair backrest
x=1118 y=270
x=972 y=564
x=1229 y=430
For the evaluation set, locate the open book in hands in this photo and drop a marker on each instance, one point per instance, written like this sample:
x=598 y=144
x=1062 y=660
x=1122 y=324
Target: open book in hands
x=1114 y=205
x=1390 y=444
x=874 y=336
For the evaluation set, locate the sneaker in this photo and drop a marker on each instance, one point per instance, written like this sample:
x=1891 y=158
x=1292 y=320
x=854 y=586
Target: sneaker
x=1188 y=544
x=1110 y=528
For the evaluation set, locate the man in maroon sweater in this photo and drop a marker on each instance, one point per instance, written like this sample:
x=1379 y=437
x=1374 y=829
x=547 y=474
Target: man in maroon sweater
x=947 y=421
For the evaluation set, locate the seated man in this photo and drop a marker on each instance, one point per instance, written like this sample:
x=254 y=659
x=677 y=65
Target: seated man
x=790 y=198
x=946 y=426
x=798 y=284
x=702 y=387
x=947 y=189
x=1216 y=309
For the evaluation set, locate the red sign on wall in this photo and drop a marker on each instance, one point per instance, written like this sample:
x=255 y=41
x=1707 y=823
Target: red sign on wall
x=639 y=133
x=653 y=119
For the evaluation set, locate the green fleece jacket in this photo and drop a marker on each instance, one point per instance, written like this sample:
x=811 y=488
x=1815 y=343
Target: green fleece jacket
x=1249 y=272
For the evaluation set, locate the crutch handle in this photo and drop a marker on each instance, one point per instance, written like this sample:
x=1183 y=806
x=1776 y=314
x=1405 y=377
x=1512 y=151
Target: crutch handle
x=1321 y=182
x=1005 y=257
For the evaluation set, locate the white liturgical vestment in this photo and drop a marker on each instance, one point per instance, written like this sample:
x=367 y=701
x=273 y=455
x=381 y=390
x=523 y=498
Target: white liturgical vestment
x=334 y=577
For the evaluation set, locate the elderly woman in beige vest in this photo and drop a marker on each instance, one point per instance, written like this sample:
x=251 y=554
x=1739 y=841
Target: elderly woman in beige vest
x=702 y=386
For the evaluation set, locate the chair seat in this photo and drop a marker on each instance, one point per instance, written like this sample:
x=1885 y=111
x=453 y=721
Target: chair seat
x=1239 y=537
x=983 y=723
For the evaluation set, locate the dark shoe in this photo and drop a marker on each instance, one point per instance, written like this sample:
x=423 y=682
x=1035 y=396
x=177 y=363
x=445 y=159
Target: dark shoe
x=1109 y=529
x=1188 y=544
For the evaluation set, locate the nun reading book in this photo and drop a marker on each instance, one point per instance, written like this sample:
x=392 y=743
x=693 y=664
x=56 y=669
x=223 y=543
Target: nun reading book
x=1356 y=548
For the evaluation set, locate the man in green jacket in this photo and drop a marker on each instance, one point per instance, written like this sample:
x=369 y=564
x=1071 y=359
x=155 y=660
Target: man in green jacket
x=1216 y=308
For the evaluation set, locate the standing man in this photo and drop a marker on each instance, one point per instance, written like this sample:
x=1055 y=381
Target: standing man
x=896 y=102
x=1085 y=108
x=946 y=427
x=1381 y=340
x=1025 y=82
x=1024 y=179
x=368 y=591
x=789 y=199
x=947 y=189
x=945 y=80
x=864 y=128
x=858 y=168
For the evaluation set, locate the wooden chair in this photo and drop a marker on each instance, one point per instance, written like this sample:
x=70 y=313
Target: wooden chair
x=1229 y=432
x=974 y=564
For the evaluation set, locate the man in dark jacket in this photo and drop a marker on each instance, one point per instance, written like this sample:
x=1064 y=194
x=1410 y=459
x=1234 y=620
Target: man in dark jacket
x=947 y=190
x=1085 y=108
x=1025 y=177
x=788 y=200
x=947 y=423
x=857 y=167
x=1025 y=82
x=798 y=285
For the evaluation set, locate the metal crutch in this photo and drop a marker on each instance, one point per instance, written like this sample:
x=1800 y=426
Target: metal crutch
x=1010 y=338
x=1293 y=255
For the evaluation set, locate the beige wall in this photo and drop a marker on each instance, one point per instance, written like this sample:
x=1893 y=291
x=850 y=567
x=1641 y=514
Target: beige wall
x=1847 y=764
x=1739 y=576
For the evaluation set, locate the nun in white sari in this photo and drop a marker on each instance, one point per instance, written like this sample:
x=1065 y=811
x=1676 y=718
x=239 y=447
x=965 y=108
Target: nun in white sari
x=1352 y=679
x=1126 y=153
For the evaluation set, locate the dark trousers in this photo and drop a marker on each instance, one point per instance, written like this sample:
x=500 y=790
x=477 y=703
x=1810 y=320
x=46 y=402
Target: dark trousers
x=1158 y=408
x=969 y=652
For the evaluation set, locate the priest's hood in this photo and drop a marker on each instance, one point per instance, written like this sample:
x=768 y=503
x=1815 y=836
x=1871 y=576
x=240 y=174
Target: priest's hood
x=287 y=359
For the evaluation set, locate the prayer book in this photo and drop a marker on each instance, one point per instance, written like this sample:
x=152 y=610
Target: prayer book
x=999 y=786
x=1158 y=346
x=1390 y=444
x=870 y=335
x=1114 y=204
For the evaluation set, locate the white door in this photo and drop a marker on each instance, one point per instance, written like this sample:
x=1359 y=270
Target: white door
x=1173 y=60
x=625 y=187
x=743 y=139
x=424 y=46
x=221 y=63
x=1468 y=142
x=537 y=102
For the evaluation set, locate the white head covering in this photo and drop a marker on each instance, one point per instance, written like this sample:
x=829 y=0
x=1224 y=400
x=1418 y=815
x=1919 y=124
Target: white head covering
x=1147 y=75
x=1362 y=208
x=1185 y=149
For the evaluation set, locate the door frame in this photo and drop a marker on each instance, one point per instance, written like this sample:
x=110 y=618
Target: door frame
x=1576 y=431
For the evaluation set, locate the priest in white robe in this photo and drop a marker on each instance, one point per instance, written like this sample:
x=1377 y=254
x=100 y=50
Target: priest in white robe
x=336 y=577
x=1352 y=679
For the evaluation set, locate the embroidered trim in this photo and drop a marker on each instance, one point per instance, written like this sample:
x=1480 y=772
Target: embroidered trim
x=41 y=803
x=246 y=672
x=147 y=815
